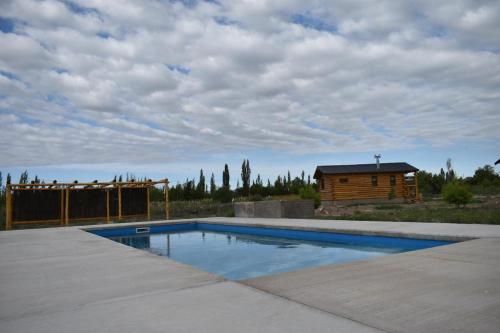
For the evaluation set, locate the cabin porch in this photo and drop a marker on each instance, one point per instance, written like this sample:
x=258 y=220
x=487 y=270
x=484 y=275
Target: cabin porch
x=410 y=187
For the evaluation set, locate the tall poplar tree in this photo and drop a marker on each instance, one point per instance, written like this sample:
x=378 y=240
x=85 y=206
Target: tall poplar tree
x=225 y=178
x=245 y=177
x=200 y=188
x=213 y=187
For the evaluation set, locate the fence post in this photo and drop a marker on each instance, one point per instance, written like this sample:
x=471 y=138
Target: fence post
x=167 y=212
x=8 y=208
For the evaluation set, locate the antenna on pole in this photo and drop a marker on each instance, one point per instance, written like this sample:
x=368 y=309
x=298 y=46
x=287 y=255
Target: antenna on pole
x=377 y=158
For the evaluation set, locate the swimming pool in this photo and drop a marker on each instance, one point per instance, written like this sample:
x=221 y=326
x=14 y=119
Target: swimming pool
x=243 y=252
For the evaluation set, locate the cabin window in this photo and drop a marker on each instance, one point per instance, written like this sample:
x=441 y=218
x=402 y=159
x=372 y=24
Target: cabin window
x=322 y=183
x=374 y=181
x=343 y=180
x=393 y=180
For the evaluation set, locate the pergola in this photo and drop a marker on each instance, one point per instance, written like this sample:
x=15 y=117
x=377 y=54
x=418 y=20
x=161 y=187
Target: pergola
x=61 y=202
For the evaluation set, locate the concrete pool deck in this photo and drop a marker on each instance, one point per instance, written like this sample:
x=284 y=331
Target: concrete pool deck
x=69 y=280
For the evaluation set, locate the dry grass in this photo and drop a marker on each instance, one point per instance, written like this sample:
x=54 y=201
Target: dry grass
x=484 y=210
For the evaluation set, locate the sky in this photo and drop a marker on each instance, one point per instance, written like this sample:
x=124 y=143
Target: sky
x=94 y=88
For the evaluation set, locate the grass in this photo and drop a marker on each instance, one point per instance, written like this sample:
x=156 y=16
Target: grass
x=388 y=207
x=437 y=215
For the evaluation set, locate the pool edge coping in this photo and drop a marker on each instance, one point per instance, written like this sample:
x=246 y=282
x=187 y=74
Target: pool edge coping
x=398 y=234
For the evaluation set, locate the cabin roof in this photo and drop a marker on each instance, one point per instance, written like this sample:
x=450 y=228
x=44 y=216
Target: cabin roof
x=363 y=168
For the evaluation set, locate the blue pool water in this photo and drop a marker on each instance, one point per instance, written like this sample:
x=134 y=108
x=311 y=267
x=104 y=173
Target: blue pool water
x=242 y=252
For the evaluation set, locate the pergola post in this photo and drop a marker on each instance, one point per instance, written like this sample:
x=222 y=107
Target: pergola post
x=8 y=208
x=62 y=207
x=416 y=186
x=107 y=206
x=119 y=202
x=167 y=211
x=148 y=203
x=66 y=210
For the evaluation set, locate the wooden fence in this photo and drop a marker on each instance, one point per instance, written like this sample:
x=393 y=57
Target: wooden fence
x=62 y=202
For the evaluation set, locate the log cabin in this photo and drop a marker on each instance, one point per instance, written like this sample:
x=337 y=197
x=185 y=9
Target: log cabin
x=367 y=182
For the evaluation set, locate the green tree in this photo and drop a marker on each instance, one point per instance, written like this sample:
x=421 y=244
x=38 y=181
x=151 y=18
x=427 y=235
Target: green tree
x=279 y=187
x=200 y=188
x=223 y=194
x=450 y=173
x=245 y=177
x=257 y=187
x=225 y=177
x=213 y=187
x=485 y=175
x=309 y=193
x=457 y=194
x=23 y=179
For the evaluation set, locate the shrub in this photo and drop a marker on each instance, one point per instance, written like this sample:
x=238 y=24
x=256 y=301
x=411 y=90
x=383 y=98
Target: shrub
x=392 y=193
x=256 y=197
x=223 y=195
x=456 y=193
x=308 y=192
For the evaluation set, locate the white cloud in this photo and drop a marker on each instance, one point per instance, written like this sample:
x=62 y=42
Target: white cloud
x=126 y=81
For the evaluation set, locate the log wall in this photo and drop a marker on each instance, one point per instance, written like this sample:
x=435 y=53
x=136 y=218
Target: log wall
x=326 y=193
x=359 y=186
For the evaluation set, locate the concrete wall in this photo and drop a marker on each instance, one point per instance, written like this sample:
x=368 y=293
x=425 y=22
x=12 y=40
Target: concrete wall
x=275 y=209
x=244 y=209
x=297 y=209
x=267 y=209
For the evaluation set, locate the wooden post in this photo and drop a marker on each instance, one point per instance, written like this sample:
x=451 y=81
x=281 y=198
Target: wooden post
x=107 y=206
x=66 y=218
x=8 y=208
x=416 y=187
x=149 y=209
x=119 y=202
x=167 y=212
x=62 y=207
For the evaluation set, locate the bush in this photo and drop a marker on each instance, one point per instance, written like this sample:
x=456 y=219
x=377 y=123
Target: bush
x=392 y=193
x=256 y=197
x=456 y=193
x=308 y=192
x=223 y=195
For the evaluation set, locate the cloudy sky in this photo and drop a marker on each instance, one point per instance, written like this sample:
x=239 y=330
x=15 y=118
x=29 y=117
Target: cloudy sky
x=91 y=88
